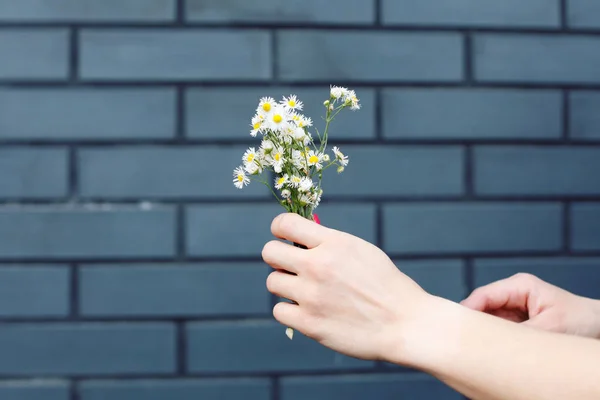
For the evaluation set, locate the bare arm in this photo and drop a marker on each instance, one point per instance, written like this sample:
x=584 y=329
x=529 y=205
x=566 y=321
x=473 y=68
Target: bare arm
x=485 y=357
x=350 y=297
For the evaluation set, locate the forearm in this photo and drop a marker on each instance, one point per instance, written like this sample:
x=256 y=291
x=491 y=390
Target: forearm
x=485 y=357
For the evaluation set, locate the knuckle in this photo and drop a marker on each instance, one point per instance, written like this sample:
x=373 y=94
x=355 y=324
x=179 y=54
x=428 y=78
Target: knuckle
x=525 y=277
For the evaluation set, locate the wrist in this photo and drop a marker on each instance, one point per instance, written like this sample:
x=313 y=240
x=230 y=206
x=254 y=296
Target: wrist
x=426 y=338
x=595 y=307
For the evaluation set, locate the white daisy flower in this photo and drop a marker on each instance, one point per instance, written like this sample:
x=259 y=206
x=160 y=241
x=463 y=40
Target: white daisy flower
x=314 y=159
x=249 y=156
x=253 y=168
x=305 y=184
x=277 y=159
x=295 y=181
x=278 y=119
x=316 y=198
x=265 y=106
x=285 y=193
x=292 y=102
x=280 y=181
x=239 y=178
x=340 y=156
x=299 y=134
x=257 y=122
x=338 y=92
x=267 y=146
x=351 y=100
x=304 y=199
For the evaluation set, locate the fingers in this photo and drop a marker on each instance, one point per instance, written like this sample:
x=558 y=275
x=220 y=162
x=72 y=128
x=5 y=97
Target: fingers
x=283 y=285
x=506 y=293
x=290 y=315
x=298 y=229
x=284 y=256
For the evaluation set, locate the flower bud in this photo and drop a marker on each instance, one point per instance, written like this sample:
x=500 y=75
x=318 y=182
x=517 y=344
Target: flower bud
x=326 y=157
x=340 y=169
x=326 y=103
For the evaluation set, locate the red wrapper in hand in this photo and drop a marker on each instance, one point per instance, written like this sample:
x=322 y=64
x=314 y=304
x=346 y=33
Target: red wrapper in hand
x=316 y=219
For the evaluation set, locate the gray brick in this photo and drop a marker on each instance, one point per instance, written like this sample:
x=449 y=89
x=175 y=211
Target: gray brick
x=34 y=291
x=33 y=173
x=484 y=13
x=146 y=54
x=86 y=232
x=480 y=114
x=411 y=171
x=87 y=10
x=90 y=348
x=583 y=14
x=471 y=227
x=150 y=171
x=530 y=171
x=82 y=114
x=577 y=275
x=177 y=389
x=259 y=346
x=332 y=55
x=585 y=226
x=443 y=278
x=536 y=59
x=242 y=230
x=354 y=387
x=584 y=121
x=34 y=390
x=169 y=290
x=225 y=112
x=275 y=11
x=34 y=54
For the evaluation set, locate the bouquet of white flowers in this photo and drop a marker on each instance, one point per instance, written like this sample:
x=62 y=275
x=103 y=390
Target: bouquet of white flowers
x=290 y=152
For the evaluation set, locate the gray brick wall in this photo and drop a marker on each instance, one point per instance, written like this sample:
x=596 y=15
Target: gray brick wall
x=129 y=264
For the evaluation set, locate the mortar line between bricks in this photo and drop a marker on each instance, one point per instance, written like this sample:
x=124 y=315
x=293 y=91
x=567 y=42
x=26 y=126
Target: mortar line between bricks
x=120 y=204
x=378 y=11
x=469 y=275
x=181 y=346
x=180 y=12
x=73 y=55
x=74 y=297
x=378 y=115
x=72 y=174
x=194 y=83
x=564 y=12
x=180 y=228
x=566 y=116
x=300 y=26
x=468 y=165
x=468 y=59
x=566 y=227
x=275 y=387
x=315 y=372
x=74 y=389
x=431 y=143
x=180 y=114
x=195 y=261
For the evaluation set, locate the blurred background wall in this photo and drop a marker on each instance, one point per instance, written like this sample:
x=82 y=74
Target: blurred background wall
x=129 y=264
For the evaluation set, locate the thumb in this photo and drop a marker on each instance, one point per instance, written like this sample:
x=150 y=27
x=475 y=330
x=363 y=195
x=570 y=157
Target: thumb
x=544 y=321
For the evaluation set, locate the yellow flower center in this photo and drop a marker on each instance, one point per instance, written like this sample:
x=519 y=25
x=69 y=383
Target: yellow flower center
x=291 y=103
x=266 y=107
x=281 y=180
x=313 y=159
x=250 y=158
x=240 y=178
x=256 y=125
x=277 y=118
x=277 y=156
x=301 y=124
